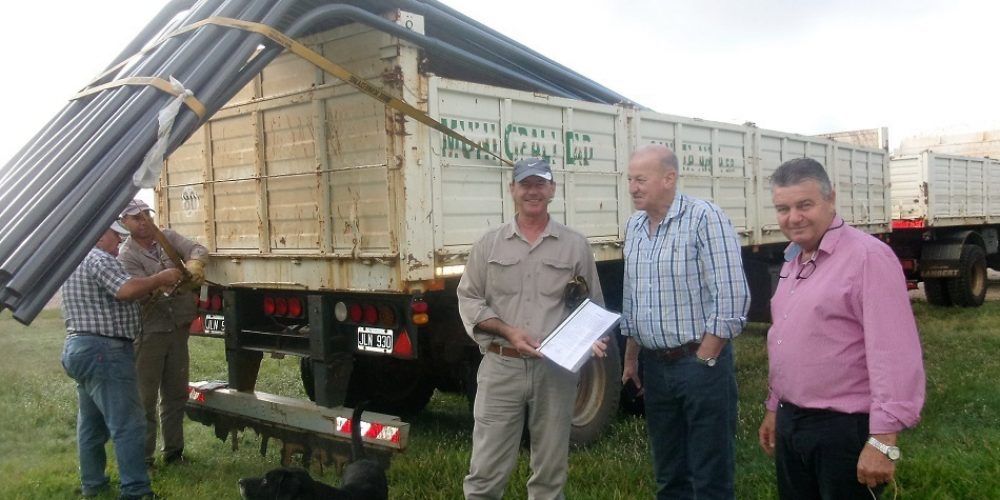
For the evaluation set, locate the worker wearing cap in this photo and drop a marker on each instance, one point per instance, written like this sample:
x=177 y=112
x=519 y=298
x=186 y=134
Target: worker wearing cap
x=102 y=320
x=510 y=297
x=162 y=357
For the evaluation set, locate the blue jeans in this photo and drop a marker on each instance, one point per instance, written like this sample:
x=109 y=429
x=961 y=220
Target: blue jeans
x=691 y=419
x=104 y=371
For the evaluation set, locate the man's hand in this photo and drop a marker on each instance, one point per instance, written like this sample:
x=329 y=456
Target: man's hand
x=525 y=344
x=168 y=277
x=874 y=468
x=766 y=433
x=630 y=368
x=600 y=348
x=196 y=269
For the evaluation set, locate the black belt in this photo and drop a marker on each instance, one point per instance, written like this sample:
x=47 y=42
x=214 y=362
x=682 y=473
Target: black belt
x=87 y=334
x=675 y=353
x=806 y=412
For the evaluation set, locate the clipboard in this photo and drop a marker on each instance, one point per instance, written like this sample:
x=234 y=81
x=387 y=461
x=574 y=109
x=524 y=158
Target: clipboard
x=569 y=343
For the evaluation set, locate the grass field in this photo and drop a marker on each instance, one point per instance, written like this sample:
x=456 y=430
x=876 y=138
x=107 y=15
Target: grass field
x=953 y=454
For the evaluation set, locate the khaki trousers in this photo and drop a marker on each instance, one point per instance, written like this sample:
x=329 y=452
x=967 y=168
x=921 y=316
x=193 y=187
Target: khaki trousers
x=162 y=367
x=511 y=390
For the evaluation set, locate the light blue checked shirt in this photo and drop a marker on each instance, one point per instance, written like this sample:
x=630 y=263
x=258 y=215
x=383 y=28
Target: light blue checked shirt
x=89 y=303
x=684 y=280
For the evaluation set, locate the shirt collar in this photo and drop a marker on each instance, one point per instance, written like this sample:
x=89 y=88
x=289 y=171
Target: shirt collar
x=826 y=244
x=551 y=229
x=677 y=208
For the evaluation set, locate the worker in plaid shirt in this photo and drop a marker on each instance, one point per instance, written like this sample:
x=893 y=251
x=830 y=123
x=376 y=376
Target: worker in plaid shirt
x=102 y=320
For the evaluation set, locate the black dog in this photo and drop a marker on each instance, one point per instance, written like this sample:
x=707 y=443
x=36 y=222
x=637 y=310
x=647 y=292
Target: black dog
x=286 y=484
x=363 y=479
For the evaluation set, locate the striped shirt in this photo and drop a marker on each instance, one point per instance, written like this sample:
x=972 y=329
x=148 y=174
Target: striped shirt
x=684 y=280
x=89 y=303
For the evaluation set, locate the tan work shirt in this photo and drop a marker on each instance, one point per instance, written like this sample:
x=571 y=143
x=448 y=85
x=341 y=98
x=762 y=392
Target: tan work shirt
x=522 y=283
x=165 y=313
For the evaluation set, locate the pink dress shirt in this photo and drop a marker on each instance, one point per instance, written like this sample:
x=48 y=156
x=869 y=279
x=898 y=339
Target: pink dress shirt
x=844 y=338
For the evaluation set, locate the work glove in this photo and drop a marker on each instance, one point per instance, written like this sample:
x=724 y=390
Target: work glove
x=196 y=269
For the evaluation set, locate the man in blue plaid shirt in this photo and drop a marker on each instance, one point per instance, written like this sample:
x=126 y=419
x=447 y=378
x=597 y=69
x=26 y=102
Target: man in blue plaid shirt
x=102 y=320
x=685 y=295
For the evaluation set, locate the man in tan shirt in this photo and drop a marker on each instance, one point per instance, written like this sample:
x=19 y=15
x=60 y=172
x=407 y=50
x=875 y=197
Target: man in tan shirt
x=510 y=297
x=162 y=350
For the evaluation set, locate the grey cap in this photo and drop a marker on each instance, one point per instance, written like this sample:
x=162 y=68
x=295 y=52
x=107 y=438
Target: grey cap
x=134 y=207
x=532 y=166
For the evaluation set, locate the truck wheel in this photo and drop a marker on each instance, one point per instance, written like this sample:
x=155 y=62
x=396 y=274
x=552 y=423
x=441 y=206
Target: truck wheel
x=969 y=288
x=598 y=391
x=936 y=290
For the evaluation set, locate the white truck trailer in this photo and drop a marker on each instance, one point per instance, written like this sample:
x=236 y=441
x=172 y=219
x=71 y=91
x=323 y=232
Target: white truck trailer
x=338 y=228
x=946 y=213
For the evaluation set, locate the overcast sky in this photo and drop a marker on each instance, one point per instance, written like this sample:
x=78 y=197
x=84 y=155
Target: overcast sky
x=805 y=66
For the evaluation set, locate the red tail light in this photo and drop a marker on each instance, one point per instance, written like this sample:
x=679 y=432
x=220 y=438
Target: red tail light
x=216 y=303
x=269 y=306
x=371 y=314
x=294 y=307
x=355 y=313
x=280 y=306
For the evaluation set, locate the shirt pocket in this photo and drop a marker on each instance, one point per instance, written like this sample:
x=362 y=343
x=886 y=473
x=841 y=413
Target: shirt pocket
x=503 y=276
x=553 y=276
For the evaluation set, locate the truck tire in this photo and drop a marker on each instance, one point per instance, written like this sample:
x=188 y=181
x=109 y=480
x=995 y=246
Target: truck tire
x=969 y=288
x=936 y=290
x=597 y=396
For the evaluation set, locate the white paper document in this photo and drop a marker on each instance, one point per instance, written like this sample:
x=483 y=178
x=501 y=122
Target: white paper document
x=569 y=344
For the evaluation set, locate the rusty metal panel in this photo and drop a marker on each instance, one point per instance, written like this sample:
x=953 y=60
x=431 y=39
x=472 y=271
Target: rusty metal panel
x=287 y=74
x=292 y=179
x=360 y=211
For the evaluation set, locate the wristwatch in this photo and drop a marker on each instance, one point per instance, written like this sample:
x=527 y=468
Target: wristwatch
x=890 y=451
x=709 y=362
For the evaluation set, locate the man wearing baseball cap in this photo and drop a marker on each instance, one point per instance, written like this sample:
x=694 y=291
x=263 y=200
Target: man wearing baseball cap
x=510 y=297
x=102 y=320
x=162 y=357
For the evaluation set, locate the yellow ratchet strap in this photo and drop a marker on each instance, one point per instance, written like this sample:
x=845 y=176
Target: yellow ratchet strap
x=160 y=84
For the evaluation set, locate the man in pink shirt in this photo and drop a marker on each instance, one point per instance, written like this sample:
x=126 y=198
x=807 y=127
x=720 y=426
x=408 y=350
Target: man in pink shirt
x=845 y=368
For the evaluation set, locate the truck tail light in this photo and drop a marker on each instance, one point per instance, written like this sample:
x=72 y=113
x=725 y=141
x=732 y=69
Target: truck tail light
x=419 y=310
x=284 y=307
x=355 y=313
x=371 y=314
x=211 y=304
x=295 y=307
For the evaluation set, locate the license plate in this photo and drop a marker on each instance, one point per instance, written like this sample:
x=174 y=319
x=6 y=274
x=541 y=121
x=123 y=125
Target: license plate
x=374 y=339
x=215 y=324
